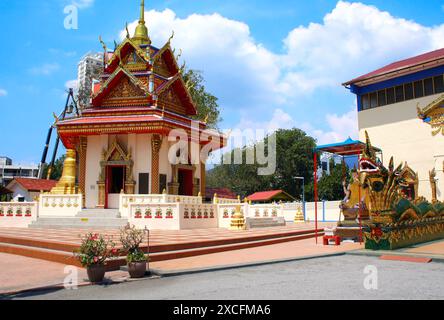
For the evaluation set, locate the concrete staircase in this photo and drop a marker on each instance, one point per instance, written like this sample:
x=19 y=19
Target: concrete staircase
x=87 y=219
x=254 y=223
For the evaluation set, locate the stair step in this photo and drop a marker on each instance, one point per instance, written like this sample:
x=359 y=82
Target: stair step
x=66 y=257
x=99 y=213
x=265 y=222
x=78 y=222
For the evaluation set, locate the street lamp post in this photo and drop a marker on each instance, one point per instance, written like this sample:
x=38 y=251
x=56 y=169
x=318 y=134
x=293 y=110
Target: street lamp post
x=303 y=193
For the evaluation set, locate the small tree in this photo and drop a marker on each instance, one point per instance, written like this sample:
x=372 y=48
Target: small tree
x=131 y=239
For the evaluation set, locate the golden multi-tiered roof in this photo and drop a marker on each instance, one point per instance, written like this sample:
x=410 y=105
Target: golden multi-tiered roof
x=141 y=91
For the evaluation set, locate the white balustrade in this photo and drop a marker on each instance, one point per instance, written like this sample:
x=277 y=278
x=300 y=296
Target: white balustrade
x=18 y=214
x=52 y=205
x=126 y=200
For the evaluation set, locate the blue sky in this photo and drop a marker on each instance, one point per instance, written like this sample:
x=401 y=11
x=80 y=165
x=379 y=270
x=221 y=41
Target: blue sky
x=272 y=63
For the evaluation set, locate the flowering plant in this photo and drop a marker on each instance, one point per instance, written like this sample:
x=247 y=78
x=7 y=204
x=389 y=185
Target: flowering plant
x=95 y=250
x=131 y=238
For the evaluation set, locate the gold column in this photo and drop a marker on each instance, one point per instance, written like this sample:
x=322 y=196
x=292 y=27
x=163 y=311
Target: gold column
x=82 y=165
x=102 y=195
x=156 y=144
x=67 y=183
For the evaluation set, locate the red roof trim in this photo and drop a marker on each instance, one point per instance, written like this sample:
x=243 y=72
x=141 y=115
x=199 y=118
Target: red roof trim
x=35 y=184
x=264 y=195
x=401 y=65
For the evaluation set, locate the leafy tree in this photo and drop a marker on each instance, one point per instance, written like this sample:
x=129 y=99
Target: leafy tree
x=57 y=170
x=330 y=186
x=294 y=158
x=206 y=103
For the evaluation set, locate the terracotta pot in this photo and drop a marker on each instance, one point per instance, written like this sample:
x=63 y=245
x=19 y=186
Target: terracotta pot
x=137 y=270
x=96 y=273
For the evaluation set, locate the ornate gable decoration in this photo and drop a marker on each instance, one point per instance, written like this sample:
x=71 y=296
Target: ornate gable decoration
x=174 y=95
x=433 y=114
x=116 y=153
x=122 y=88
x=122 y=51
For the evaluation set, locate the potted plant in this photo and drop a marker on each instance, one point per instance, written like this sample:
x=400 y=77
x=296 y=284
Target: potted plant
x=93 y=253
x=131 y=239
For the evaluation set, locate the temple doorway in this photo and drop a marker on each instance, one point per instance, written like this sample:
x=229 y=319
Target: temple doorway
x=185 y=182
x=115 y=183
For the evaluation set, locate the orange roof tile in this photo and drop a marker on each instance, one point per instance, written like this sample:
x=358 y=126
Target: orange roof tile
x=36 y=184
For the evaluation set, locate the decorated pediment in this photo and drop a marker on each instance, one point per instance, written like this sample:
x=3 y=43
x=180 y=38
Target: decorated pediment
x=128 y=51
x=121 y=88
x=165 y=63
x=174 y=96
x=115 y=153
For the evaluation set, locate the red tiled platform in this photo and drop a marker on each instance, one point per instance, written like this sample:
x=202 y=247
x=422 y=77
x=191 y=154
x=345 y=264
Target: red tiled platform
x=58 y=245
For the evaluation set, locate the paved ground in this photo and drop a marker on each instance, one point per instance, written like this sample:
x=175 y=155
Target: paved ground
x=339 y=277
x=434 y=248
x=295 y=249
x=21 y=273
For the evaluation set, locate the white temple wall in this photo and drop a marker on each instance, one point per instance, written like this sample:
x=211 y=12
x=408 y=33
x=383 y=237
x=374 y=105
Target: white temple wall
x=398 y=131
x=96 y=144
x=164 y=163
x=141 y=149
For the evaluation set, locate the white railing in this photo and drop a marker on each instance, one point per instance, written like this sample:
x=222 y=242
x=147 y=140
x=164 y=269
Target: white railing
x=225 y=201
x=128 y=199
x=18 y=214
x=160 y=216
x=173 y=216
x=52 y=205
x=265 y=211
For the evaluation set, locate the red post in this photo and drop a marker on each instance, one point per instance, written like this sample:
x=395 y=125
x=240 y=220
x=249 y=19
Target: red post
x=316 y=193
x=360 y=213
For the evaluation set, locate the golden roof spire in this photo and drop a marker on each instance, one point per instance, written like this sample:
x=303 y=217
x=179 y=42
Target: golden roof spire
x=141 y=33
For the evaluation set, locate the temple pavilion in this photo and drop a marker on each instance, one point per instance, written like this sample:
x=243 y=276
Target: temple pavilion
x=119 y=143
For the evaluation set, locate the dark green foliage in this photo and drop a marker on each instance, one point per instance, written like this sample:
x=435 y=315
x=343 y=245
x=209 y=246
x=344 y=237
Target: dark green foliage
x=330 y=186
x=57 y=170
x=206 y=103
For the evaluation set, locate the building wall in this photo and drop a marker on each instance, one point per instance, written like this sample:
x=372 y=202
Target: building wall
x=93 y=156
x=398 y=131
x=19 y=192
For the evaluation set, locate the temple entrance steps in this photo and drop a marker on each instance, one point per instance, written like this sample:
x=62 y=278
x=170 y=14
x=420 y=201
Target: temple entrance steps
x=87 y=219
x=254 y=223
x=99 y=213
x=57 y=245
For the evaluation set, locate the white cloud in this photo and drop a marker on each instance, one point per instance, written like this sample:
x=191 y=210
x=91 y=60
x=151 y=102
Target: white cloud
x=339 y=127
x=236 y=68
x=352 y=39
x=82 y=4
x=3 y=93
x=45 y=69
x=72 y=84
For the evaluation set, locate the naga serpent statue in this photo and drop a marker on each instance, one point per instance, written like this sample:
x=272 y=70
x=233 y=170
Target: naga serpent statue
x=398 y=217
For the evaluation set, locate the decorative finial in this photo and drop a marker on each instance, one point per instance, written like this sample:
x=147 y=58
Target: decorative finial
x=103 y=44
x=141 y=33
x=171 y=38
x=127 y=31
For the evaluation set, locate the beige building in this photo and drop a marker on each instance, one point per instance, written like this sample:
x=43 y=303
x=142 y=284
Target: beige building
x=390 y=101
